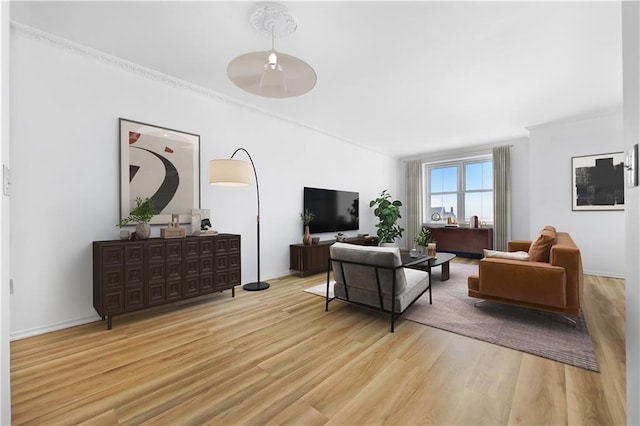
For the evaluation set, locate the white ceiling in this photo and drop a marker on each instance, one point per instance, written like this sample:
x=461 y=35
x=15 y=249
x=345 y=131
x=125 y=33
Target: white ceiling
x=401 y=78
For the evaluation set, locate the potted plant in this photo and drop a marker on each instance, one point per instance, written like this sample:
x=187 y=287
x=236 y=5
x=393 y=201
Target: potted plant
x=388 y=213
x=142 y=213
x=425 y=239
x=306 y=217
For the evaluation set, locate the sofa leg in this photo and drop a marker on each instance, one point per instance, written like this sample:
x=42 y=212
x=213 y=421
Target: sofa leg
x=479 y=302
x=571 y=321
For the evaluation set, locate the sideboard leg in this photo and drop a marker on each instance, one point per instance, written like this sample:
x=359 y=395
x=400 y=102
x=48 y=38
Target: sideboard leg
x=109 y=322
x=233 y=291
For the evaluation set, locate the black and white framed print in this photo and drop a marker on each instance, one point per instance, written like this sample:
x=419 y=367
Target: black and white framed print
x=598 y=182
x=161 y=164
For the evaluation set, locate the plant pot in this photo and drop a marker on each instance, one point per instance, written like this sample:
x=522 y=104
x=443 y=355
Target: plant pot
x=143 y=231
x=387 y=245
x=306 y=239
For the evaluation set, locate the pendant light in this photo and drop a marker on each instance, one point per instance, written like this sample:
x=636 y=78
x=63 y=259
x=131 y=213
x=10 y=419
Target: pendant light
x=271 y=73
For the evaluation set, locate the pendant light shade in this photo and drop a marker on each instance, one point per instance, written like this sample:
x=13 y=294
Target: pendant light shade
x=251 y=72
x=271 y=73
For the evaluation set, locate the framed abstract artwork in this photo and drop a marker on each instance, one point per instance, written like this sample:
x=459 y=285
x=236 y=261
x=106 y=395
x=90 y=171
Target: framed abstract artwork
x=598 y=182
x=161 y=164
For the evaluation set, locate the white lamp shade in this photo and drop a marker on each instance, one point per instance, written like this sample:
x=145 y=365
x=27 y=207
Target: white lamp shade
x=229 y=172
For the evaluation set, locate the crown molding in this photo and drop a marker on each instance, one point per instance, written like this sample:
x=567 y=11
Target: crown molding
x=106 y=59
x=151 y=74
x=467 y=151
x=600 y=113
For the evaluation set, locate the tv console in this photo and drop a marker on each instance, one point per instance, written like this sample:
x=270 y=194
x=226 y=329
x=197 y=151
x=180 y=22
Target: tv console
x=314 y=258
x=133 y=275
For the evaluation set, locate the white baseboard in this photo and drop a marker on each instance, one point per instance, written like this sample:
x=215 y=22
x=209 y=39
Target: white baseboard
x=23 y=334
x=605 y=274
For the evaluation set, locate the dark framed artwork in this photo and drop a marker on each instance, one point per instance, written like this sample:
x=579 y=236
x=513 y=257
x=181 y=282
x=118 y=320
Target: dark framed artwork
x=161 y=164
x=598 y=182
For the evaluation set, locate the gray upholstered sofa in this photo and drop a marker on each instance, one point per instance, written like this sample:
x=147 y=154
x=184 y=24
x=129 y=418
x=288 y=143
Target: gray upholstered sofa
x=375 y=277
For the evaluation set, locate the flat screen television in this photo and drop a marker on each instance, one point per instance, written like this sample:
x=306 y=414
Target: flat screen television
x=334 y=210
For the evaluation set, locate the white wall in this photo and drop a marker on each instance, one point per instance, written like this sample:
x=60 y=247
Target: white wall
x=631 y=97
x=5 y=388
x=65 y=103
x=520 y=209
x=599 y=234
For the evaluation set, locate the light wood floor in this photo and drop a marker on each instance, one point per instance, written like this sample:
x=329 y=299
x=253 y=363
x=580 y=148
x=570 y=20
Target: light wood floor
x=276 y=357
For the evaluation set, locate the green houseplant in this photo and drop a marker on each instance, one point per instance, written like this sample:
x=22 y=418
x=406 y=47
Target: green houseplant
x=388 y=213
x=142 y=213
x=306 y=217
x=424 y=238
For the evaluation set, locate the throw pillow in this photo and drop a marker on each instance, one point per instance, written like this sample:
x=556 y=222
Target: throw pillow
x=513 y=255
x=541 y=246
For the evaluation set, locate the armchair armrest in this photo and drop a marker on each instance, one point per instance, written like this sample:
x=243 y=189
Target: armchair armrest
x=518 y=245
x=568 y=257
x=536 y=282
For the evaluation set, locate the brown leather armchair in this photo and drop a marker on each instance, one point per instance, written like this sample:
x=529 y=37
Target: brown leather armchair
x=555 y=286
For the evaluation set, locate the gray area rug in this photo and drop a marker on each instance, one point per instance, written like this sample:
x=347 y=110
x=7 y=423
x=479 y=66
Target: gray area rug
x=539 y=333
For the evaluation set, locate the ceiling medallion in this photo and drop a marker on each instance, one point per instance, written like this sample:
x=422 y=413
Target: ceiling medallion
x=273 y=19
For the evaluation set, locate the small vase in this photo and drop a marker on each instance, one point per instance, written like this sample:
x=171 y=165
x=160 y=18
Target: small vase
x=306 y=239
x=431 y=249
x=124 y=234
x=143 y=231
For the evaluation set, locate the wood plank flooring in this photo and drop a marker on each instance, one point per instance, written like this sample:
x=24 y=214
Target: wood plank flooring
x=276 y=357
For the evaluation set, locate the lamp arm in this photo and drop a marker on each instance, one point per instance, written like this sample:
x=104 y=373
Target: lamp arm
x=255 y=174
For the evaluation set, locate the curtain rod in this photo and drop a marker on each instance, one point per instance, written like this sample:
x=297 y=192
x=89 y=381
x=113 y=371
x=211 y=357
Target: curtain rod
x=424 y=156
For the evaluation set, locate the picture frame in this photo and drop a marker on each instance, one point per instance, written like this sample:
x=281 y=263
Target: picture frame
x=598 y=182
x=162 y=164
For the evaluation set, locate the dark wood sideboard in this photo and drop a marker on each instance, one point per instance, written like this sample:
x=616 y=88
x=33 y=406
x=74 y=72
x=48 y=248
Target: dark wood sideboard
x=314 y=258
x=463 y=241
x=133 y=275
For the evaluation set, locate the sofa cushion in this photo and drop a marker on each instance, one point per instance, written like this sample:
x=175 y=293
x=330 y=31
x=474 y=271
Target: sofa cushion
x=541 y=246
x=515 y=255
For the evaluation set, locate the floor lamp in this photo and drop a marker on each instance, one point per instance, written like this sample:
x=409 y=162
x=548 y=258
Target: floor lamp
x=231 y=172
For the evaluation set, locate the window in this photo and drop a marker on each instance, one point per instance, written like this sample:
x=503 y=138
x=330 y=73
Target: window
x=459 y=189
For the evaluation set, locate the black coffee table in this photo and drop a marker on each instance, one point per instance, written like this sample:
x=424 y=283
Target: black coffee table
x=428 y=262
x=410 y=262
x=443 y=259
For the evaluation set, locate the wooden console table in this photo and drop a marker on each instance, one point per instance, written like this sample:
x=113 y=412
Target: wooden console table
x=314 y=258
x=463 y=241
x=133 y=275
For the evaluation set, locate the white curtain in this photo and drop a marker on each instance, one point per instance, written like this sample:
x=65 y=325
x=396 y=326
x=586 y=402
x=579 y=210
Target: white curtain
x=414 y=201
x=501 y=197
